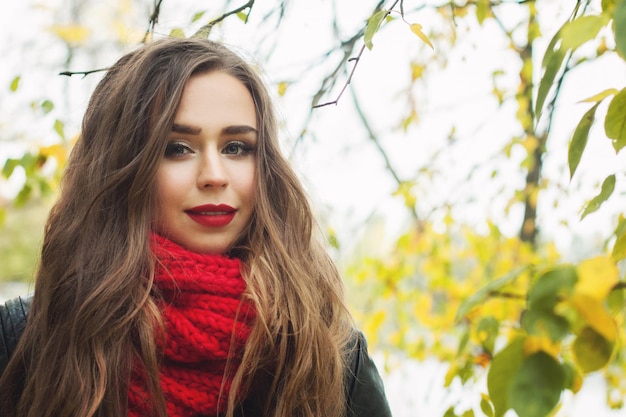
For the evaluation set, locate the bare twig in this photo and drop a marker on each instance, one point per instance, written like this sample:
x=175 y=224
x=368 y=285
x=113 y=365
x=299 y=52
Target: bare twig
x=205 y=30
x=347 y=46
x=566 y=68
x=509 y=295
x=356 y=61
x=83 y=73
x=374 y=138
x=154 y=19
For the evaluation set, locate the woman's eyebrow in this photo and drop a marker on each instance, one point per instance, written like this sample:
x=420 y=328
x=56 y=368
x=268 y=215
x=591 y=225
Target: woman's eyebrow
x=186 y=129
x=238 y=130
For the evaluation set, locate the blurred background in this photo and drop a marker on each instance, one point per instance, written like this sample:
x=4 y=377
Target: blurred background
x=412 y=125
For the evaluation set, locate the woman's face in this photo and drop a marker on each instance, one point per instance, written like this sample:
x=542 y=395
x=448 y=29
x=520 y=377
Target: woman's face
x=206 y=178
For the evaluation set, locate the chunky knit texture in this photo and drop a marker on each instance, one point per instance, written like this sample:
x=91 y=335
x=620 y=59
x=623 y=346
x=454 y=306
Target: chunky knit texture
x=207 y=325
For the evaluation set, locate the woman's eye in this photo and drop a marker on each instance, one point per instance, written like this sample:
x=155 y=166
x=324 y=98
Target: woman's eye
x=176 y=149
x=237 y=148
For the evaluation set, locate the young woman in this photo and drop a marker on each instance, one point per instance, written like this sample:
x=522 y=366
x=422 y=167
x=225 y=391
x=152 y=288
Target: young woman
x=180 y=274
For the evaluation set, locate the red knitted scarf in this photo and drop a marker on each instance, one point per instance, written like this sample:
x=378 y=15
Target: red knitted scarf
x=207 y=325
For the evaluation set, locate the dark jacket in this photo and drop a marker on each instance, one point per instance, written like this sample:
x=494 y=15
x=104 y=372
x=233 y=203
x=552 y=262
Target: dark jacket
x=366 y=394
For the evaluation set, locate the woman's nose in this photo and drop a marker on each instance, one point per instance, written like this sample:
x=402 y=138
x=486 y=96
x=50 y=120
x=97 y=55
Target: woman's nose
x=212 y=172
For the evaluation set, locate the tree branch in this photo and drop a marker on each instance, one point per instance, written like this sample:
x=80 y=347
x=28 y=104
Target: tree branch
x=348 y=47
x=356 y=61
x=152 y=22
x=205 y=30
x=509 y=295
x=374 y=138
x=154 y=19
x=619 y=286
x=557 y=91
x=83 y=73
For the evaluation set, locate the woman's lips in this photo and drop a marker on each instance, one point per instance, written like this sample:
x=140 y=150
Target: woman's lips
x=212 y=215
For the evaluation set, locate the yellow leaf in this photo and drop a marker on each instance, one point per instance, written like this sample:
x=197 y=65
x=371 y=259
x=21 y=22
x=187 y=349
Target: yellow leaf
x=533 y=344
x=530 y=143
x=577 y=383
x=600 y=96
x=596 y=277
x=417 y=29
x=129 y=35
x=410 y=119
x=450 y=375
x=595 y=314
x=73 y=34
x=58 y=152
x=405 y=190
x=417 y=70
x=177 y=33
x=376 y=322
x=282 y=88
x=422 y=309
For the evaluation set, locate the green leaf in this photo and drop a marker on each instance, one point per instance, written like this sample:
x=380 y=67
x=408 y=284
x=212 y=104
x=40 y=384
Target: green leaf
x=545 y=322
x=481 y=295
x=15 y=83
x=571 y=36
x=486 y=407
x=554 y=60
x=30 y=164
x=601 y=96
x=579 y=140
x=177 y=33
x=463 y=341
x=608 y=6
x=488 y=329
x=592 y=351
x=24 y=195
x=551 y=63
x=552 y=47
x=9 y=167
x=536 y=388
x=466 y=372
x=333 y=241
x=450 y=412
x=616 y=300
x=619 y=248
x=47 y=106
x=608 y=186
x=585 y=28
x=59 y=127
x=573 y=379
x=482 y=10
x=373 y=24
x=243 y=16
x=551 y=286
x=197 y=16
x=619 y=24
x=44 y=187
x=501 y=373
x=615 y=120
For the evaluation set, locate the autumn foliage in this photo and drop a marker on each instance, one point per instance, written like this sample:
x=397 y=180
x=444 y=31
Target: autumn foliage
x=505 y=308
x=500 y=310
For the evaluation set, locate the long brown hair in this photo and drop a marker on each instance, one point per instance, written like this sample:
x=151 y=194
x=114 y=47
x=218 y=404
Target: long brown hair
x=93 y=315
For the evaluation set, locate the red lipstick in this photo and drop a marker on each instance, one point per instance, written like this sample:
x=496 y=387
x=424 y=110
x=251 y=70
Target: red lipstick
x=212 y=215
